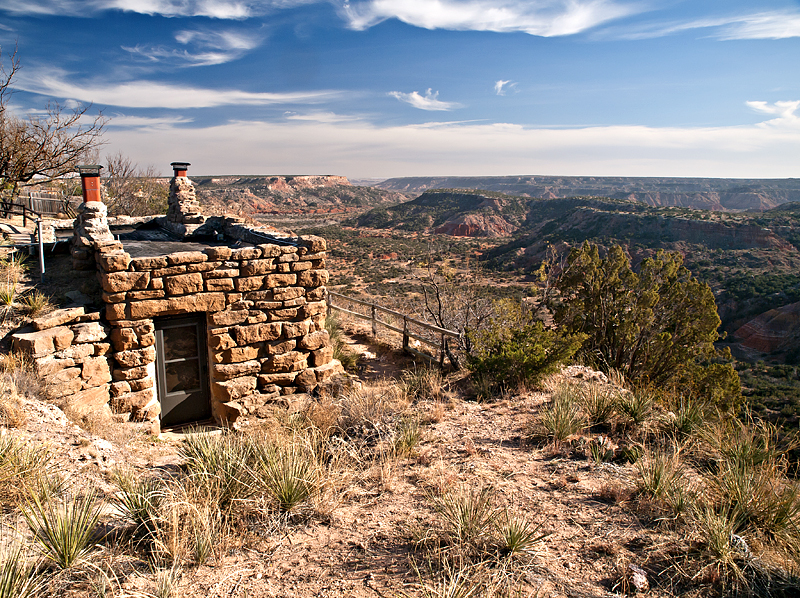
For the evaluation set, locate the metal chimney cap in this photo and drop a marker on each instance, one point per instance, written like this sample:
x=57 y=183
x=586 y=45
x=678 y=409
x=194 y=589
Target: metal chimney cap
x=180 y=165
x=89 y=169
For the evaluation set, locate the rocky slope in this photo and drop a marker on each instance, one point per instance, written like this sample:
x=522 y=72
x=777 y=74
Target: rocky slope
x=700 y=193
x=312 y=194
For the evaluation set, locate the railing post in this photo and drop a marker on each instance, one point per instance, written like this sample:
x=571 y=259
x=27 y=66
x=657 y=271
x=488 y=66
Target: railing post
x=41 y=246
x=405 y=333
x=24 y=216
x=374 y=322
x=330 y=304
x=441 y=351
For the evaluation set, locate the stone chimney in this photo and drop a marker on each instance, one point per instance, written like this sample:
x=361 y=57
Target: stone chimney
x=91 y=225
x=184 y=215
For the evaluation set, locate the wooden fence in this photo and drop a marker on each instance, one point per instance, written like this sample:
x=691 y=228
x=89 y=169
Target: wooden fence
x=47 y=203
x=441 y=342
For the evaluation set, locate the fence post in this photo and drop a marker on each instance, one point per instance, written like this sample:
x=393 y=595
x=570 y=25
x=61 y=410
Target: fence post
x=24 y=216
x=330 y=304
x=374 y=322
x=405 y=333
x=41 y=246
x=441 y=351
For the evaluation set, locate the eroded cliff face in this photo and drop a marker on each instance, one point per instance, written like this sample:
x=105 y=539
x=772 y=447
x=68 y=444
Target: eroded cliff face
x=775 y=330
x=477 y=225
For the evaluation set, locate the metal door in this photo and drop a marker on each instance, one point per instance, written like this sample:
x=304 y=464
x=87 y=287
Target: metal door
x=182 y=370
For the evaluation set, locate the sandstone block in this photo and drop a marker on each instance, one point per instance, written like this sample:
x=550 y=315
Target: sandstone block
x=90 y=332
x=43 y=342
x=295 y=329
x=183 y=284
x=136 y=357
x=237 y=355
x=301 y=266
x=124 y=339
x=149 y=294
x=270 y=250
x=247 y=335
x=217 y=253
x=142 y=384
x=313 y=278
x=230 y=390
x=245 y=253
x=221 y=341
x=88 y=402
x=316 y=294
x=50 y=365
x=229 y=412
x=313 y=243
x=148 y=263
x=57 y=390
x=168 y=271
x=251 y=283
x=281 y=379
x=147 y=340
x=139 y=326
x=148 y=412
x=231 y=298
x=95 y=371
x=63 y=376
x=226 y=371
x=130 y=373
x=287 y=293
x=315 y=308
x=224 y=273
x=256 y=317
x=268 y=304
x=186 y=257
x=77 y=352
x=255 y=267
x=278 y=347
x=287 y=257
x=119 y=282
x=306 y=378
x=283 y=314
x=321 y=356
x=156 y=284
x=313 y=257
x=114 y=261
x=292 y=361
x=177 y=305
x=204 y=267
x=219 y=284
x=265 y=295
x=117 y=389
x=282 y=268
x=329 y=370
x=280 y=280
x=315 y=340
x=113 y=297
x=100 y=348
x=229 y=317
x=58 y=317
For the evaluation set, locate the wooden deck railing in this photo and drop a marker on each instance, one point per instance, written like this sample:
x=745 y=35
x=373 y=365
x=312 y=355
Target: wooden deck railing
x=442 y=334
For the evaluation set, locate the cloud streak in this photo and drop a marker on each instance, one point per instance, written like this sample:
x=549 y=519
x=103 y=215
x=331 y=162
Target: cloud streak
x=359 y=149
x=430 y=101
x=151 y=94
x=501 y=87
x=545 y=18
x=209 y=47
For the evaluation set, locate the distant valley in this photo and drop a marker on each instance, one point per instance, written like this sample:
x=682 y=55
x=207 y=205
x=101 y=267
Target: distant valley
x=700 y=193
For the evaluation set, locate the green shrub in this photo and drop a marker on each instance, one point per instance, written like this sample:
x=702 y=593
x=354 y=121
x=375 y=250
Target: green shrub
x=514 y=350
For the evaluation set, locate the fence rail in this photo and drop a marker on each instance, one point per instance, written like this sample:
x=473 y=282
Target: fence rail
x=47 y=203
x=441 y=343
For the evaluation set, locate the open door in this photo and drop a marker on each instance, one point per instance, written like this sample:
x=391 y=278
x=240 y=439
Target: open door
x=182 y=370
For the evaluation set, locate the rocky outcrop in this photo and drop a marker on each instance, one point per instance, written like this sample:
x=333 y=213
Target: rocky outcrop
x=477 y=225
x=776 y=330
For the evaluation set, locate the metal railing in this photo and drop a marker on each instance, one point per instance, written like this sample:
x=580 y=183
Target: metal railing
x=7 y=207
x=443 y=334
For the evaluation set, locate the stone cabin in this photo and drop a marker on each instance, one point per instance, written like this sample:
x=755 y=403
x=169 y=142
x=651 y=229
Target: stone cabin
x=204 y=317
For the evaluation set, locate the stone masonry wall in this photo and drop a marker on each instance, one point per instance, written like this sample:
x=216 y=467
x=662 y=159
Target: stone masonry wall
x=69 y=349
x=265 y=312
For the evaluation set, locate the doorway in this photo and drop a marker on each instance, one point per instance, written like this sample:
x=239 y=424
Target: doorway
x=182 y=370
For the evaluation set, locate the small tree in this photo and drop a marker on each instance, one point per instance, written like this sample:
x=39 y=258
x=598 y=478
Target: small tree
x=43 y=147
x=658 y=324
x=132 y=191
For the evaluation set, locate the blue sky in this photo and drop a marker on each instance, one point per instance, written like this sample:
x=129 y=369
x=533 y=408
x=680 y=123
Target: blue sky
x=382 y=88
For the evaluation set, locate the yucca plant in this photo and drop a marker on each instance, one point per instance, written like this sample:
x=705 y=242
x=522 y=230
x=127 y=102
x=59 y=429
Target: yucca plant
x=24 y=469
x=518 y=534
x=289 y=474
x=219 y=465
x=423 y=383
x=562 y=418
x=18 y=575
x=35 y=303
x=140 y=499
x=64 y=530
x=408 y=435
x=636 y=406
x=660 y=473
x=598 y=404
x=468 y=514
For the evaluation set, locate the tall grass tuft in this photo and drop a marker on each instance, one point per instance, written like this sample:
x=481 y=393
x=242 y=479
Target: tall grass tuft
x=341 y=351
x=661 y=476
x=289 y=474
x=18 y=575
x=518 y=534
x=636 y=406
x=468 y=515
x=63 y=529
x=24 y=469
x=36 y=303
x=421 y=384
x=598 y=404
x=562 y=418
x=140 y=499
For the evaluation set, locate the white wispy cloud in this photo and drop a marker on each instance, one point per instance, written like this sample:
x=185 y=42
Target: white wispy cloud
x=124 y=121
x=320 y=117
x=760 y=25
x=430 y=101
x=151 y=94
x=501 y=87
x=208 y=47
x=217 y=9
x=784 y=111
x=536 y=17
x=361 y=149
